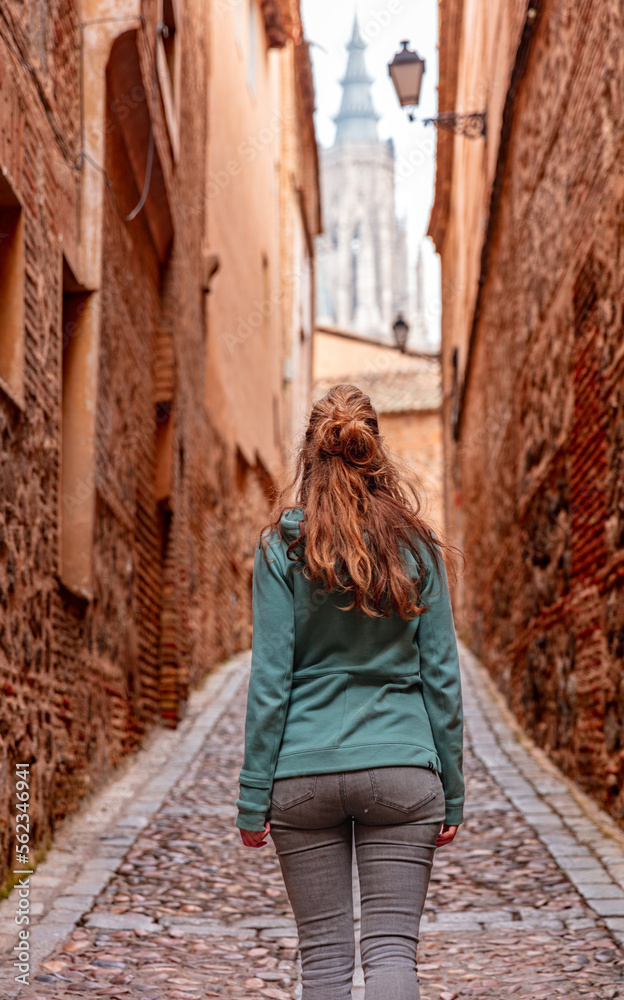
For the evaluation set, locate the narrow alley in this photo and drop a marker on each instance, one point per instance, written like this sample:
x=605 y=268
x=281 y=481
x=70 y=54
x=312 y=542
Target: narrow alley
x=378 y=254
x=149 y=893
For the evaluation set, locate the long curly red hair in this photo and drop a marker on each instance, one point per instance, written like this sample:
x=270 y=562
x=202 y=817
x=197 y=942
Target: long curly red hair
x=361 y=511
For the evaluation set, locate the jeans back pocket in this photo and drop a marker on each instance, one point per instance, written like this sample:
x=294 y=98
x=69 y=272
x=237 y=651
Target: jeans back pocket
x=403 y=788
x=289 y=792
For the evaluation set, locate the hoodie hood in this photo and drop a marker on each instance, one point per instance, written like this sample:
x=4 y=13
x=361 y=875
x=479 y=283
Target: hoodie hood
x=290 y=523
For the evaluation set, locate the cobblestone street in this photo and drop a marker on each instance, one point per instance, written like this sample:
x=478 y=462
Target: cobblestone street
x=310 y=307
x=527 y=903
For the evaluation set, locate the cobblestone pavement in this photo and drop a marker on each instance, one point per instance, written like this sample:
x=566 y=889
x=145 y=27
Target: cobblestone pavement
x=513 y=923
x=518 y=906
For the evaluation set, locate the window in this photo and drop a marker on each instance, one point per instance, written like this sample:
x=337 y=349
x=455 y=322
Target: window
x=168 y=65
x=11 y=293
x=164 y=452
x=266 y=280
x=169 y=37
x=455 y=394
x=77 y=484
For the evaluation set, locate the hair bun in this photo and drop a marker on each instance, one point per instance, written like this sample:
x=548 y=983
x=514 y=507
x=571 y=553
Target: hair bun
x=350 y=438
x=358 y=444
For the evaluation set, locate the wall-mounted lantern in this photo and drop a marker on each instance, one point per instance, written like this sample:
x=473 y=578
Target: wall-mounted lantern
x=401 y=329
x=406 y=72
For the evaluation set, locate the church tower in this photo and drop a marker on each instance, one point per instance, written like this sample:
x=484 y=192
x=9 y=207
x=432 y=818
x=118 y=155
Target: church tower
x=357 y=118
x=362 y=255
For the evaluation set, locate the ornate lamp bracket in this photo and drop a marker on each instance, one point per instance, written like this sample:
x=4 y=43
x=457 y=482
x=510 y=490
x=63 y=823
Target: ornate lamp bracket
x=472 y=125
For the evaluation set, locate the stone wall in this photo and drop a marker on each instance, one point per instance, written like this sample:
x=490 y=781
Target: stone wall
x=536 y=485
x=176 y=504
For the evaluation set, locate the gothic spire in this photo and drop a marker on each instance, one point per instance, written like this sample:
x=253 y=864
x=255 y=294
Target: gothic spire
x=357 y=119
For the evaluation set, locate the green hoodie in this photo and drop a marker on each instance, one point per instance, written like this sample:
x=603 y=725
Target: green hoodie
x=334 y=690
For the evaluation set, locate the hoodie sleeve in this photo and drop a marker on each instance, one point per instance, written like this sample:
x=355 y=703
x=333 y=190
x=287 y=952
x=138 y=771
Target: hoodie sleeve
x=269 y=685
x=439 y=669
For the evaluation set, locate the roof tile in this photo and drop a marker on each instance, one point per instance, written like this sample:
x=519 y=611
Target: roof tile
x=418 y=388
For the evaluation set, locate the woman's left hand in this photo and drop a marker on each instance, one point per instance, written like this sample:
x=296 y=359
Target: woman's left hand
x=447 y=835
x=255 y=838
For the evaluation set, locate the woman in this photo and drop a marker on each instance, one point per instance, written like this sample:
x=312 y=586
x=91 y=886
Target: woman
x=354 y=717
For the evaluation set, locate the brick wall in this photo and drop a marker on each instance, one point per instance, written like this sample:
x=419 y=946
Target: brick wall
x=84 y=677
x=537 y=494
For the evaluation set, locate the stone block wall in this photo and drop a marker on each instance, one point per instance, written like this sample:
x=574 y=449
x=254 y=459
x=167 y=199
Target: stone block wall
x=537 y=499
x=83 y=677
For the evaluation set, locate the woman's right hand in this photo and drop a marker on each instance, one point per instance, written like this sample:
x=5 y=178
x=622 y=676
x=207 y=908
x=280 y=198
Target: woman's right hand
x=255 y=838
x=447 y=834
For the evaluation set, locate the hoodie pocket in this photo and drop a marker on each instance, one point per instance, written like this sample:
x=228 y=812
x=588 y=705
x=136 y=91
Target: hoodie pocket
x=315 y=713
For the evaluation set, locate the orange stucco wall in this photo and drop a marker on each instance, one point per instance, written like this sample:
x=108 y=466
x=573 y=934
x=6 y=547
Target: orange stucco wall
x=244 y=347
x=339 y=356
x=417 y=438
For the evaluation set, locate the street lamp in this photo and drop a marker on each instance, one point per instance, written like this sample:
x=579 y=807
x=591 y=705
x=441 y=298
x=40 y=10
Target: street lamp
x=406 y=72
x=401 y=329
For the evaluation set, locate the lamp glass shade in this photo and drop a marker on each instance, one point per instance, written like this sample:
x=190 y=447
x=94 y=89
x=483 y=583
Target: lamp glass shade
x=406 y=72
x=400 y=328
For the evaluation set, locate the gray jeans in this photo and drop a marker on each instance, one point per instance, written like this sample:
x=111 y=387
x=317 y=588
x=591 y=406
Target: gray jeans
x=393 y=815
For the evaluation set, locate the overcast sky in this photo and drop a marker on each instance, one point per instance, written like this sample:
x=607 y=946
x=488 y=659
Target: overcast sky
x=384 y=23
